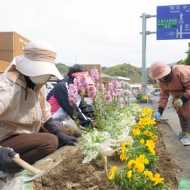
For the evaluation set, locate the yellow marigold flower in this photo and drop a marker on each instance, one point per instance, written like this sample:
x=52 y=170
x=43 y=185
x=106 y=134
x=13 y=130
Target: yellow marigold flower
x=129 y=174
x=148 y=174
x=148 y=133
x=146 y=112
x=136 y=132
x=131 y=164
x=155 y=138
x=142 y=141
x=142 y=158
x=157 y=179
x=139 y=167
x=146 y=121
x=112 y=172
x=151 y=146
x=140 y=126
x=152 y=151
x=150 y=143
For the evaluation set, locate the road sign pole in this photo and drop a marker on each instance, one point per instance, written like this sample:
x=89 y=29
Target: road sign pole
x=144 y=76
x=144 y=33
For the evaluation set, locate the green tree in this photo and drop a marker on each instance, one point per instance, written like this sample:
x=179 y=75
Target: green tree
x=63 y=69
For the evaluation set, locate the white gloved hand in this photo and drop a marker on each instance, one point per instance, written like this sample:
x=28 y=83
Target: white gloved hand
x=178 y=103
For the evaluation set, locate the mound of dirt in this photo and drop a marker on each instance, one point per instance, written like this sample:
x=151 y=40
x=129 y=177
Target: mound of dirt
x=71 y=174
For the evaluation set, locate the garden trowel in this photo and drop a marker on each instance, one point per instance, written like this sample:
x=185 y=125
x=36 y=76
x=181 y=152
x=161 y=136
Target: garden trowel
x=33 y=174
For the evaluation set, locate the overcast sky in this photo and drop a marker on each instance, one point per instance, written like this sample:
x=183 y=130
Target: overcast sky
x=102 y=32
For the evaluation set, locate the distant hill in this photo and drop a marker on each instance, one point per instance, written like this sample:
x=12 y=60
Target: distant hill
x=124 y=70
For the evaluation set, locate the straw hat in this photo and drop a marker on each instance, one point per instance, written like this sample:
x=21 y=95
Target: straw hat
x=38 y=60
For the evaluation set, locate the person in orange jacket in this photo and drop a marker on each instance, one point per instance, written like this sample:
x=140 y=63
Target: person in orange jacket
x=174 y=81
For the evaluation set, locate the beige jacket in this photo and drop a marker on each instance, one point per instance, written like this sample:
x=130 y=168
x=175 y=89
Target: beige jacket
x=20 y=108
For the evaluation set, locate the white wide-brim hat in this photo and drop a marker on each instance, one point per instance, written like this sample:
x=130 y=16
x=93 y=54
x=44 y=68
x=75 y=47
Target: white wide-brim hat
x=37 y=60
x=36 y=68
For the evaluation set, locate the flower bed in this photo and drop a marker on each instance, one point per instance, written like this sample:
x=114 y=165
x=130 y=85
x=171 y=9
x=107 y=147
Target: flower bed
x=131 y=133
x=130 y=171
x=127 y=133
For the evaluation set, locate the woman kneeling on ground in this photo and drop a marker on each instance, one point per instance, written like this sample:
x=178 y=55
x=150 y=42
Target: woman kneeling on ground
x=23 y=108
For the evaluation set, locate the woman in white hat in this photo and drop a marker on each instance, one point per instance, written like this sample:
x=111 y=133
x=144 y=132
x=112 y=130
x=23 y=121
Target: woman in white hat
x=23 y=108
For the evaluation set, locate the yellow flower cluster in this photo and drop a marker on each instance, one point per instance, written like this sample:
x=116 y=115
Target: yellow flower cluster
x=146 y=121
x=146 y=112
x=150 y=144
x=144 y=133
x=156 y=179
x=146 y=118
x=143 y=128
x=150 y=135
x=112 y=172
x=136 y=131
x=138 y=164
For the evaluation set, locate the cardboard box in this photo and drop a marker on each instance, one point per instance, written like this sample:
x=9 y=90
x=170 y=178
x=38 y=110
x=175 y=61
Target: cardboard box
x=11 y=45
x=3 y=65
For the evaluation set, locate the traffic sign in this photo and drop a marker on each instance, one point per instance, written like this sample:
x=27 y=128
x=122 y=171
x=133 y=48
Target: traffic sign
x=173 y=22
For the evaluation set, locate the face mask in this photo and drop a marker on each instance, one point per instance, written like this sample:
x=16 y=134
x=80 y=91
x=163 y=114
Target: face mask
x=40 y=79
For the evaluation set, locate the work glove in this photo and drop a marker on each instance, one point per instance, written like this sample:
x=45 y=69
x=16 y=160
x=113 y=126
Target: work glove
x=87 y=123
x=6 y=157
x=179 y=102
x=157 y=116
x=66 y=139
x=83 y=119
x=53 y=126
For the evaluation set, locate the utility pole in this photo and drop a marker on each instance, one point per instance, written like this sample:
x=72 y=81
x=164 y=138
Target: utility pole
x=144 y=76
x=144 y=33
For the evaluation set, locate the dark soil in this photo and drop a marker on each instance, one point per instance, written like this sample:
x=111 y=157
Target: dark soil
x=166 y=165
x=71 y=174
